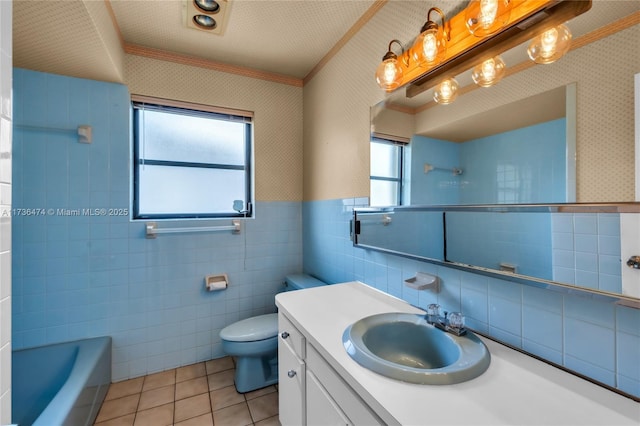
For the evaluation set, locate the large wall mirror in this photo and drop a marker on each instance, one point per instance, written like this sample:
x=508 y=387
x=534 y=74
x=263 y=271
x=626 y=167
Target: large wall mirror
x=544 y=135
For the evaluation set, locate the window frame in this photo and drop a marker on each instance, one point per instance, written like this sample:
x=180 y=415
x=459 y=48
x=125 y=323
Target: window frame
x=139 y=103
x=401 y=143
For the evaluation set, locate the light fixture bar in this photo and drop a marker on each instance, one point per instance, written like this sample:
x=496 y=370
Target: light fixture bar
x=465 y=50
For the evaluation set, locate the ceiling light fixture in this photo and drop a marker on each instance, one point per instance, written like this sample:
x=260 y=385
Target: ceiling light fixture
x=205 y=22
x=207 y=6
x=489 y=72
x=206 y=15
x=484 y=30
x=485 y=17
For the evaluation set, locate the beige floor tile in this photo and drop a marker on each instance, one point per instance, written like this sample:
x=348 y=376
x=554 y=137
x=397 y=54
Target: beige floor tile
x=263 y=407
x=124 y=388
x=192 y=407
x=271 y=421
x=221 y=379
x=225 y=397
x=234 y=415
x=119 y=421
x=188 y=397
x=220 y=364
x=203 y=420
x=159 y=380
x=191 y=387
x=156 y=397
x=260 y=392
x=118 y=407
x=190 y=372
x=157 y=416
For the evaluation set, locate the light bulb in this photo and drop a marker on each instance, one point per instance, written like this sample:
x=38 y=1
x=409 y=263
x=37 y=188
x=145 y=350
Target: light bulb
x=389 y=74
x=488 y=72
x=488 y=12
x=550 y=46
x=430 y=47
x=548 y=41
x=446 y=92
x=485 y=17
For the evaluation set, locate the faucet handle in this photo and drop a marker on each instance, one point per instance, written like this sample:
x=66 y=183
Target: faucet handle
x=433 y=313
x=456 y=320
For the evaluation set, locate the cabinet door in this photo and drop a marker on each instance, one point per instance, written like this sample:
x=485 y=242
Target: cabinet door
x=291 y=386
x=321 y=408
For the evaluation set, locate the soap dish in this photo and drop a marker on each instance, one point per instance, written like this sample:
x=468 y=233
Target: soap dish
x=423 y=281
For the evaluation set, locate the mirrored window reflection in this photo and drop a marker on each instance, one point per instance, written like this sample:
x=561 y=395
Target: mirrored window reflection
x=386 y=172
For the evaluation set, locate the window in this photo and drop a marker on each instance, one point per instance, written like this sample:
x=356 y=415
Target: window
x=190 y=163
x=386 y=171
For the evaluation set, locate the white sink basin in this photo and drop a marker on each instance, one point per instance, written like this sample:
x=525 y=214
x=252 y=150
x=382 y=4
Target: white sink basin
x=405 y=347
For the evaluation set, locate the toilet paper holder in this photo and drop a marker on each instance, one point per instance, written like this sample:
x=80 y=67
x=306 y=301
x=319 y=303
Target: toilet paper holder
x=216 y=282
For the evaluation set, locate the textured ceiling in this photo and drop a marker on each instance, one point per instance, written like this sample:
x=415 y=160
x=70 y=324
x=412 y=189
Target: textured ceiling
x=285 y=37
x=282 y=37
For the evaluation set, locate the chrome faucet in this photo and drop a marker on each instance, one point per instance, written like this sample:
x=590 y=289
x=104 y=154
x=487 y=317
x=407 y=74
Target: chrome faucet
x=451 y=322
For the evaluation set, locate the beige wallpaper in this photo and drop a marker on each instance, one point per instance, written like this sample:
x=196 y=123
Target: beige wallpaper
x=277 y=115
x=337 y=102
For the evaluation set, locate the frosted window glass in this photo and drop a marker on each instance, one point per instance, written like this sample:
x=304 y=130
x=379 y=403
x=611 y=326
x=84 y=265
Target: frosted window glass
x=190 y=163
x=172 y=136
x=384 y=160
x=188 y=190
x=384 y=193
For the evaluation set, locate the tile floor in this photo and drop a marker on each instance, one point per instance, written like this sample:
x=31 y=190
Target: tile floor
x=196 y=395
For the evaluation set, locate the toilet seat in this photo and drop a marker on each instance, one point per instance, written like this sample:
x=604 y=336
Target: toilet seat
x=251 y=329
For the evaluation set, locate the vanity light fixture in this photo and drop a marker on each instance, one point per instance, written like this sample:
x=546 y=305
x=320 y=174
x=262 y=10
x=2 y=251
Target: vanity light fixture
x=431 y=45
x=446 y=92
x=489 y=72
x=485 y=17
x=550 y=46
x=207 y=15
x=389 y=72
x=485 y=29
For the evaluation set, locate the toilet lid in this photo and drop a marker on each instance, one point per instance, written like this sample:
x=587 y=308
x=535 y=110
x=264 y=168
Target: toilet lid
x=250 y=329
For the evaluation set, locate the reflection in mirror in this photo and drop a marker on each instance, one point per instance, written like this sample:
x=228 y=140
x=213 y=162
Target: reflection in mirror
x=515 y=242
x=401 y=231
x=495 y=157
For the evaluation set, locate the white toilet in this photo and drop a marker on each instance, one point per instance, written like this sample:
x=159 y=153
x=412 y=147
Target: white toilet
x=254 y=342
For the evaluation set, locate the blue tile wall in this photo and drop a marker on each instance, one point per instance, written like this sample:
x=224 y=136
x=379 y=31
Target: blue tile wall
x=83 y=276
x=489 y=239
x=586 y=250
x=437 y=186
x=562 y=328
x=526 y=165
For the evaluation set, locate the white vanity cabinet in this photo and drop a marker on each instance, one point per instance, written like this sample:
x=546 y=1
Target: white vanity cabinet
x=310 y=391
x=291 y=374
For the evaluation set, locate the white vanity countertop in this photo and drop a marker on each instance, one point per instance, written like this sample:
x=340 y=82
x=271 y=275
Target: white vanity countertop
x=516 y=389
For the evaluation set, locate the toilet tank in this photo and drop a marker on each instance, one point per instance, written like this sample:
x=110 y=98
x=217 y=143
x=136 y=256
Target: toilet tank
x=301 y=281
